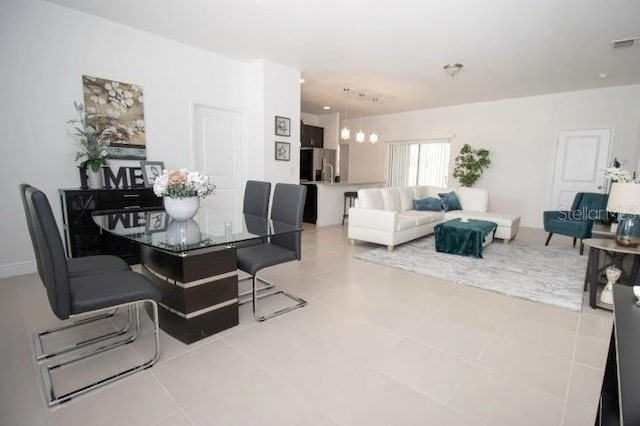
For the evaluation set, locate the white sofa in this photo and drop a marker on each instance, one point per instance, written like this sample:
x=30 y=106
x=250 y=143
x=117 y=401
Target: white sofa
x=386 y=215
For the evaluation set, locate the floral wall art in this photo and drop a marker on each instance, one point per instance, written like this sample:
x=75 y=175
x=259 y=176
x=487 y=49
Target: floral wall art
x=117 y=110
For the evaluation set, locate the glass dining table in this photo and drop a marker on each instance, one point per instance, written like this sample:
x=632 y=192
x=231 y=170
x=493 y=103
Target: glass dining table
x=193 y=262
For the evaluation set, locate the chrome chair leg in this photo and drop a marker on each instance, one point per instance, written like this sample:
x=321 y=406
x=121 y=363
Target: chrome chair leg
x=255 y=297
x=41 y=355
x=45 y=370
x=242 y=300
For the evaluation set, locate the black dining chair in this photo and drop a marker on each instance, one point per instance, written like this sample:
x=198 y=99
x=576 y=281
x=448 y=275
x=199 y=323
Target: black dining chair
x=255 y=205
x=287 y=207
x=79 y=265
x=256 y=198
x=76 y=267
x=85 y=295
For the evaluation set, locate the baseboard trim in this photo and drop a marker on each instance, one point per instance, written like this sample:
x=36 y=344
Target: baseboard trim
x=19 y=268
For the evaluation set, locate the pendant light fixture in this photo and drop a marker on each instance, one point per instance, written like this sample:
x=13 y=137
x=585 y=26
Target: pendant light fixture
x=373 y=137
x=360 y=134
x=345 y=133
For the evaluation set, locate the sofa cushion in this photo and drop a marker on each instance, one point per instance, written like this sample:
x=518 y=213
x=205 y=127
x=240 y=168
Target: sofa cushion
x=405 y=222
x=420 y=192
x=450 y=201
x=430 y=204
x=370 y=198
x=423 y=217
x=390 y=199
x=406 y=198
x=473 y=199
x=433 y=191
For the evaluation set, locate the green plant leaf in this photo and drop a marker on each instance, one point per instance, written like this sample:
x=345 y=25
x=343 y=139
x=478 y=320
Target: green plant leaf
x=470 y=164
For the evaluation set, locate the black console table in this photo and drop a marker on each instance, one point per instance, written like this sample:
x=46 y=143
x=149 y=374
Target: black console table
x=83 y=237
x=621 y=384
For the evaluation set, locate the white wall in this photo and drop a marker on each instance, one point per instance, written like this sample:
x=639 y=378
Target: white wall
x=272 y=90
x=521 y=135
x=281 y=98
x=46 y=49
x=309 y=119
x=254 y=159
x=331 y=124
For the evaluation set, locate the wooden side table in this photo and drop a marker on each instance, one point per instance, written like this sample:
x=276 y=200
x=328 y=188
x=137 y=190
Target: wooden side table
x=602 y=231
x=615 y=256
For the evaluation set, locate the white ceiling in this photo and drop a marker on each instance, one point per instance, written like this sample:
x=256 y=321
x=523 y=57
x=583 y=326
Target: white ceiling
x=395 y=49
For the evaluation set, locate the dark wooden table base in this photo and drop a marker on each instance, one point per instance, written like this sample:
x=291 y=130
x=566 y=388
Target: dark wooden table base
x=199 y=290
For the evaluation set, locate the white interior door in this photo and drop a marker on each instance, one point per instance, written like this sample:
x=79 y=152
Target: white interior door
x=581 y=158
x=218 y=142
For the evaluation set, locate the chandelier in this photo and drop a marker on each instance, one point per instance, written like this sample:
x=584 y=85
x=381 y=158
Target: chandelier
x=345 y=133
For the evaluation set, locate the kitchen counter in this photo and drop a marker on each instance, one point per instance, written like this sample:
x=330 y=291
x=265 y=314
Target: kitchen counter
x=330 y=199
x=346 y=183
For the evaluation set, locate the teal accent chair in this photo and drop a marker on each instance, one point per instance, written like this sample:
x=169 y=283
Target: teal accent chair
x=578 y=222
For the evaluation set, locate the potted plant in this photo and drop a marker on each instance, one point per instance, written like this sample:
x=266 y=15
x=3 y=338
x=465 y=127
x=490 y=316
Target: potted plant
x=181 y=191
x=470 y=164
x=616 y=174
x=93 y=145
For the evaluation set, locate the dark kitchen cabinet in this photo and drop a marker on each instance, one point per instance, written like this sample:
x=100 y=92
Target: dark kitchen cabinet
x=311 y=136
x=82 y=236
x=310 y=214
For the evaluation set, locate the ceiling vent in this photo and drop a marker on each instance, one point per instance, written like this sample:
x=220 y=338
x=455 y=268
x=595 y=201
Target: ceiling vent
x=627 y=42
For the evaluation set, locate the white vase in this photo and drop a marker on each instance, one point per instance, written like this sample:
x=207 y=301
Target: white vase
x=94 y=179
x=181 y=208
x=183 y=232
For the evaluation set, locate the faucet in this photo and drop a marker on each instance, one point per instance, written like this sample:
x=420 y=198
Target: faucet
x=330 y=171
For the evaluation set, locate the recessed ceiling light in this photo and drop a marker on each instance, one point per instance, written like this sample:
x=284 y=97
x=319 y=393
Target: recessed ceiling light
x=603 y=75
x=302 y=80
x=326 y=107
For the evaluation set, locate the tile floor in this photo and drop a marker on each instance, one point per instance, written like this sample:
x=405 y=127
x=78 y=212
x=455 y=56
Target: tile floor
x=375 y=346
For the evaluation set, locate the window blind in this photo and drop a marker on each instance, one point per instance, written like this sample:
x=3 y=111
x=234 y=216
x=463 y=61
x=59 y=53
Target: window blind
x=419 y=163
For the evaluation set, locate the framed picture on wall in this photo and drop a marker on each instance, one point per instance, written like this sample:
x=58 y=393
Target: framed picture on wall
x=150 y=171
x=120 y=105
x=283 y=126
x=283 y=151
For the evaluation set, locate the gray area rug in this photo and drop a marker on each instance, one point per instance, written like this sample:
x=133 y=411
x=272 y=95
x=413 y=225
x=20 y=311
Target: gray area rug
x=550 y=275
